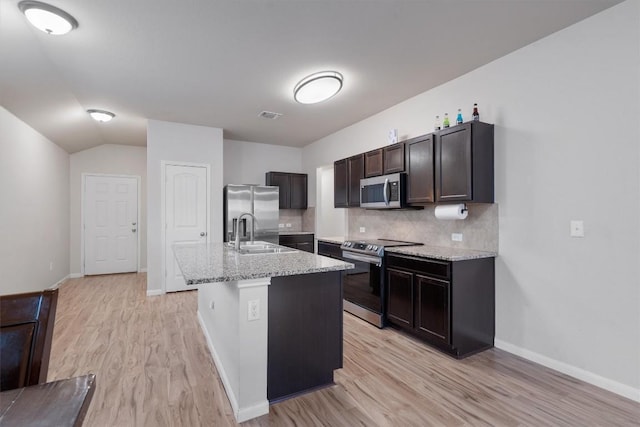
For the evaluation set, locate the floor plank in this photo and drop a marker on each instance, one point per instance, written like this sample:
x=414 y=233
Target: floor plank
x=153 y=368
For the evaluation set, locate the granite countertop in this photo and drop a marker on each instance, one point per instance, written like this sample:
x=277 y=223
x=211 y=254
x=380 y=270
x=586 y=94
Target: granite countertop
x=216 y=262
x=293 y=233
x=440 y=252
x=337 y=240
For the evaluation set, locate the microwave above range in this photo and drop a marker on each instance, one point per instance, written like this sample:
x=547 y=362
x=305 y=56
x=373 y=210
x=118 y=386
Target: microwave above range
x=383 y=192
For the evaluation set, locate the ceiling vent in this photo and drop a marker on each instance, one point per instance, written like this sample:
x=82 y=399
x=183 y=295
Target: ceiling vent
x=270 y=115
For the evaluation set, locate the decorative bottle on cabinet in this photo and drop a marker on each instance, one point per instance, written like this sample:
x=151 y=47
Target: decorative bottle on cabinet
x=436 y=125
x=459 y=117
x=445 y=123
x=476 y=114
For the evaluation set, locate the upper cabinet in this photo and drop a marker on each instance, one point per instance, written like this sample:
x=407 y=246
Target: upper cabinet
x=347 y=174
x=419 y=153
x=394 y=158
x=292 y=188
x=464 y=163
x=373 y=163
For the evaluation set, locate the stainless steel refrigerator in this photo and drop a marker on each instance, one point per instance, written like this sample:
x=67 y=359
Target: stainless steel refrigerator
x=260 y=200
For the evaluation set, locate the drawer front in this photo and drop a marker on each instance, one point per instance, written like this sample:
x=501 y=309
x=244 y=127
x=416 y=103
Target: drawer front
x=329 y=249
x=435 y=268
x=286 y=239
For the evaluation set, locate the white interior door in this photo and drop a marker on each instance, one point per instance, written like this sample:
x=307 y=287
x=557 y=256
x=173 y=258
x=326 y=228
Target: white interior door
x=186 y=206
x=110 y=224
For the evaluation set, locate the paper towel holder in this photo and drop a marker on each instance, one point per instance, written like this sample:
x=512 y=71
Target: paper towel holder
x=452 y=211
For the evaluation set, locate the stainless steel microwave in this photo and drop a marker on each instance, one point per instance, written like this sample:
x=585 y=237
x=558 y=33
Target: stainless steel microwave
x=383 y=192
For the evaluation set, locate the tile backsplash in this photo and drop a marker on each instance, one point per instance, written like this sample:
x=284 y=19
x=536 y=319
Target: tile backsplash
x=479 y=230
x=293 y=217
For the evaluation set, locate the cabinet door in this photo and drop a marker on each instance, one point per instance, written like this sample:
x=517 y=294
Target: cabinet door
x=400 y=297
x=453 y=164
x=394 y=158
x=373 y=163
x=340 y=184
x=433 y=314
x=420 y=169
x=281 y=180
x=356 y=173
x=298 y=191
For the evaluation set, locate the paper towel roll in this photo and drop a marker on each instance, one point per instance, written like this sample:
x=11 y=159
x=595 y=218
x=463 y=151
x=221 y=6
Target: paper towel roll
x=452 y=211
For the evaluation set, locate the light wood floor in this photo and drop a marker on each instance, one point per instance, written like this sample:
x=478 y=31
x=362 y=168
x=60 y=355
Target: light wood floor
x=153 y=369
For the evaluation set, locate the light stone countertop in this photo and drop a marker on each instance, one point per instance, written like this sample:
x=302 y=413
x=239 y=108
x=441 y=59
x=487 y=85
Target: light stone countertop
x=337 y=240
x=294 y=233
x=440 y=252
x=216 y=262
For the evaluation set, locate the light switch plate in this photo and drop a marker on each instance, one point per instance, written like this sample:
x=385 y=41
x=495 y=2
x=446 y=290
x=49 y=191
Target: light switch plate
x=577 y=228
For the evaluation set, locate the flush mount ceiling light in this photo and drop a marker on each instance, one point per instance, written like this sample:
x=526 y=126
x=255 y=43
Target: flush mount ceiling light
x=48 y=18
x=318 y=87
x=101 y=116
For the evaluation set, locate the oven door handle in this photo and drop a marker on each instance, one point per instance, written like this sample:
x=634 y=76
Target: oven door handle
x=364 y=258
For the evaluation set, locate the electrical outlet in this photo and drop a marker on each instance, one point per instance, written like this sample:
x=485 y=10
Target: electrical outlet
x=253 y=310
x=456 y=237
x=280 y=225
x=362 y=229
x=577 y=228
x=288 y=225
x=51 y=266
x=212 y=305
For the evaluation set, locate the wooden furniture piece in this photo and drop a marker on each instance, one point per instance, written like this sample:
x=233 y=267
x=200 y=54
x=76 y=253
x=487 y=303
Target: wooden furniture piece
x=292 y=188
x=394 y=158
x=419 y=153
x=303 y=242
x=373 y=163
x=58 y=403
x=347 y=174
x=26 y=331
x=464 y=163
x=449 y=304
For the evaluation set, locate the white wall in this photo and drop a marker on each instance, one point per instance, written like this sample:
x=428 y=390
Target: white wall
x=34 y=213
x=247 y=162
x=566 y=112
x=185 y=143
x=106 y=159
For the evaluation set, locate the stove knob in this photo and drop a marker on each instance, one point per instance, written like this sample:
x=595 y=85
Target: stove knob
x=369 y=247
x=375 y=248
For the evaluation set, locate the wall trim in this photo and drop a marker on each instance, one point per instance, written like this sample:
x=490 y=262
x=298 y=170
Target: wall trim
x=142 y=270
x=573 y=371
x=155 y=292
x=59 y=282
x=76 y=275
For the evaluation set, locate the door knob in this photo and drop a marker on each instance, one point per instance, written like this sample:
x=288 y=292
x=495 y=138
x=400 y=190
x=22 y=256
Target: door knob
x=202 y=234
x=133 y=230
x=133 y=223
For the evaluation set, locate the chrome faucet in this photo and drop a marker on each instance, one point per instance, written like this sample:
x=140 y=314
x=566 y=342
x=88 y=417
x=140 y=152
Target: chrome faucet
x=253 y=221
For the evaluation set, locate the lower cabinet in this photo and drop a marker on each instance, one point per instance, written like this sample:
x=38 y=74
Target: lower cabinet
x=303 y=242
x=449 y=304
x=331 y=250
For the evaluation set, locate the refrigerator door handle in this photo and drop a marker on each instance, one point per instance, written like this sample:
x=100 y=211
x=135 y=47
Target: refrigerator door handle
x=244 y=227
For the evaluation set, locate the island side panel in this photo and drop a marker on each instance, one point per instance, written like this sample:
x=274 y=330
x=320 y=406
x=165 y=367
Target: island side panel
x=238 y=346
x=305 y=333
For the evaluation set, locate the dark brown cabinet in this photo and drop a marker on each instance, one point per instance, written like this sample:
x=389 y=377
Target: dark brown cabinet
x=394 y=158
x=303 y=242
x=292 y=188
x=449 y=304
x=419 y=154
x=373 y=163
x=346 y=184
x=328 y=249
x=464 y=163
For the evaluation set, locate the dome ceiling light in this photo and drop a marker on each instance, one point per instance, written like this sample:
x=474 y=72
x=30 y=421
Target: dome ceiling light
x=48 y=18
x=318 y=87
x=101 y=116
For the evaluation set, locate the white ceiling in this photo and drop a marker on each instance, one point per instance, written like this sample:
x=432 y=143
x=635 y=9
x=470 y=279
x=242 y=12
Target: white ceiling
x=219 y=63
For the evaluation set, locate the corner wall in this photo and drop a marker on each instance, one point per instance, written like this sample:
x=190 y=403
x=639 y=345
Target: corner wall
x=566 y=112
x=184 y=143
x=34 y=213
x=106 y=159
x=249 y=161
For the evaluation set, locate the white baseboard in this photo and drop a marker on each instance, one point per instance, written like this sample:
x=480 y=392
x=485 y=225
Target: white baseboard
x=142 y=270
x=59 y=282
x=155 y=292
x=581 y=374
x=76 y=275
x=243 y=414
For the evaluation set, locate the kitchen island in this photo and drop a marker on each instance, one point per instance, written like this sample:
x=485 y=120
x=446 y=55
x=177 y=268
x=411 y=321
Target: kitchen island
x=272 y=321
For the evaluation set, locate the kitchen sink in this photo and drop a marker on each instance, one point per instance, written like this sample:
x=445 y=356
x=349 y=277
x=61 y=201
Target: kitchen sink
x=262 y=248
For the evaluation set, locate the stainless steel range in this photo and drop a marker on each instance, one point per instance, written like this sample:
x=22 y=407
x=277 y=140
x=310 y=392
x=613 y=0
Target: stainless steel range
x=364 y=286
